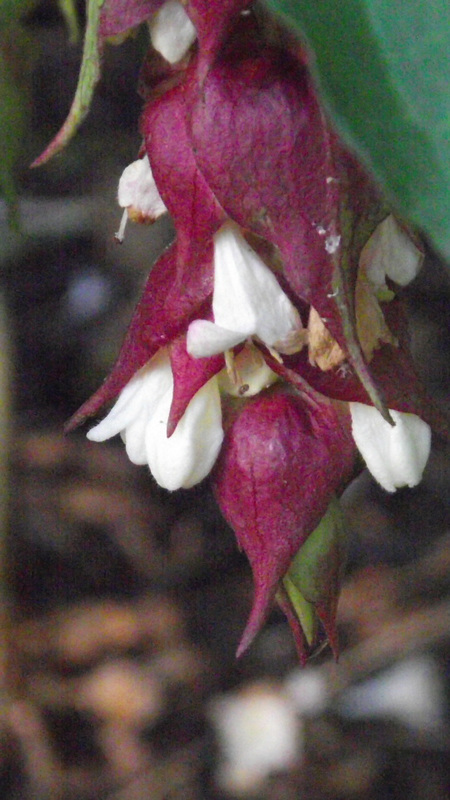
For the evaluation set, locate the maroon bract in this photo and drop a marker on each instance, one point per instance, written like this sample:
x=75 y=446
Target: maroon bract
x=189 y=375
x=263 y=145
x=271 y=214
x=176 y=292
x=213 y=20
x=193 y=207
x=118 y=16
x=281 y=462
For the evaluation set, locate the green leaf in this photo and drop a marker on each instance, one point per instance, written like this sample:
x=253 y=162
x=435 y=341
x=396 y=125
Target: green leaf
x=384 y=71
x=87 y=81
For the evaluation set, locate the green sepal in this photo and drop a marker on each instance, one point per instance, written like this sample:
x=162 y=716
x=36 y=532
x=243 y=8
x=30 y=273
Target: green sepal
x=313 y=580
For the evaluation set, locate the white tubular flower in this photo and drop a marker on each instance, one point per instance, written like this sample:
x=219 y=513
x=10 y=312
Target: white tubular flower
x=171 y=31
x=140 y=415
x=390 y=252
x=138 y=194
x=247 y=301
x=395 y=455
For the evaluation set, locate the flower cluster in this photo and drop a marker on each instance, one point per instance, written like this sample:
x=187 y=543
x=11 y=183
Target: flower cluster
x=269 y=344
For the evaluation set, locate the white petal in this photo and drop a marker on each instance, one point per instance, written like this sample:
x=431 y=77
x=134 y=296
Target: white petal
x=171 y=31
x=205 y=338
x=189 y=454
x=133 y=438
x=395 y=455
x=138 y=191
x=247 y=296
x=137 y=400
x=390 y=252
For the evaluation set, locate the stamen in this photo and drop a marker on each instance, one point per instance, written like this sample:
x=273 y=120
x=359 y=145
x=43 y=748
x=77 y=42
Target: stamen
x=120 y=234
x=275 y=354
x=230 y=364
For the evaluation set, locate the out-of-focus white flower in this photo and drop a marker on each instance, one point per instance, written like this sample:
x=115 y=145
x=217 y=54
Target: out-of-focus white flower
x=259 y=733
x=247 y=301
x=138 y=195
x=140 y=415
x=390 y=252
x=410 y=692
x=171 y=31
x=395 y=455
x=308 y=691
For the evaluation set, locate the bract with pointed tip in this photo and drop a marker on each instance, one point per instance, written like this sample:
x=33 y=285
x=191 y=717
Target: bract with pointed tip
x=281 y=462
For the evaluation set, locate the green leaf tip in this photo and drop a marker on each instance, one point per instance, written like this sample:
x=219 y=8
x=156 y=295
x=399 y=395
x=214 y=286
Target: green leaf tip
x=87 y=81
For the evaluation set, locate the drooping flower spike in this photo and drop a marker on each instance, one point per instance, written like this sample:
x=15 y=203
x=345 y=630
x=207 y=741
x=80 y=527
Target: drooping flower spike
x=268 y=345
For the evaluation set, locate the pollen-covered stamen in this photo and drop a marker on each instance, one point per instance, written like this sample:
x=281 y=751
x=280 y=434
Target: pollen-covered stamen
x=275 y=354
x=230 y=364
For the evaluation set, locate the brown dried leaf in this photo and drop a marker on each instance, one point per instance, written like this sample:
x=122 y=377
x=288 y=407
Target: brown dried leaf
x=324 y=351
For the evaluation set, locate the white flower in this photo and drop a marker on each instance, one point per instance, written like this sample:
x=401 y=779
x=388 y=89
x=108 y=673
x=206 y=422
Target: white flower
x=247 y=301
x=259 y=733
x=395 y=455
x=138 y=195
x=140 y=415
x=171 y=31
x=390 y=252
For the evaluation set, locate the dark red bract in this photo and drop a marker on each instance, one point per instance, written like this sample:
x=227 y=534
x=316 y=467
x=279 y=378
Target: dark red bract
x=235 y=132
x=282 y=461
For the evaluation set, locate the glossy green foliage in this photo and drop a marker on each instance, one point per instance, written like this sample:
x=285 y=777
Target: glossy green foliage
x=384 y=71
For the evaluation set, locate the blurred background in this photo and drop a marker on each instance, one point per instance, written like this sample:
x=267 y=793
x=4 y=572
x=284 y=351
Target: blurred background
x=121 y=604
